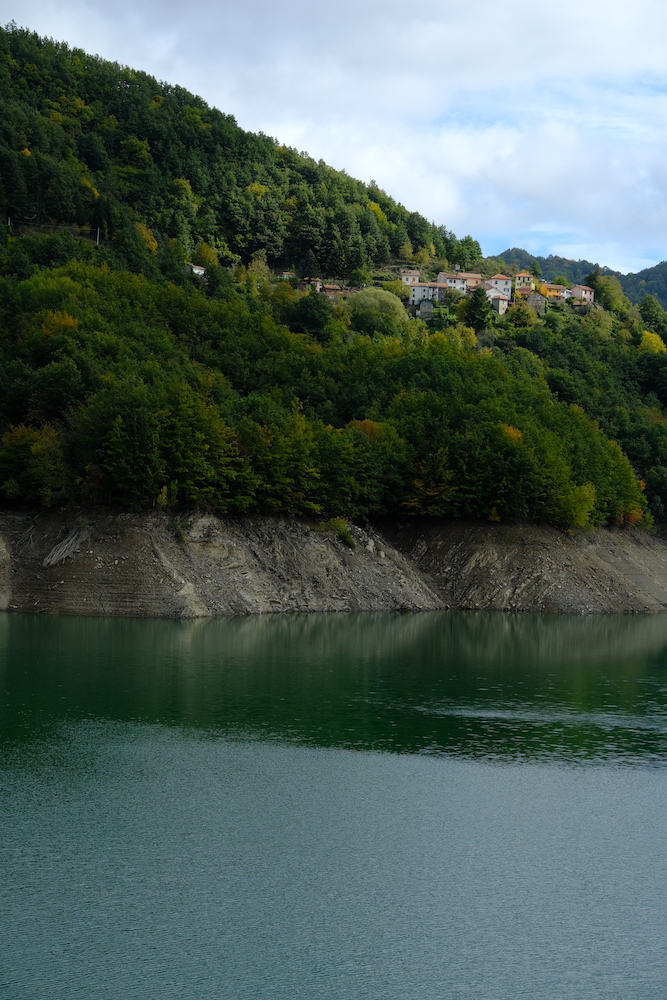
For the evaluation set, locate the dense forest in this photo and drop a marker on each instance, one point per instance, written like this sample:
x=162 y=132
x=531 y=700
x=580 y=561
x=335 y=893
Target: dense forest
x=125 y=378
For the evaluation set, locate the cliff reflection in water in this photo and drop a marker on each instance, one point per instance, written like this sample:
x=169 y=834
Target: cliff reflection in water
x=483 y=685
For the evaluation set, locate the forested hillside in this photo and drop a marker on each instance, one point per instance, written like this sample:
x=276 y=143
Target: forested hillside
x=89 y=142
x=126 y=379
x=650 y=281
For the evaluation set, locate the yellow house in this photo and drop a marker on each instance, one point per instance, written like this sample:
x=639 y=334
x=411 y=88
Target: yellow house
x=551 y=291
x=524 y=280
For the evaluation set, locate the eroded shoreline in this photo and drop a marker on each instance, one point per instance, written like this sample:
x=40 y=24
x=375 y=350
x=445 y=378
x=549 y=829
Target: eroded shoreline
x=100 y=562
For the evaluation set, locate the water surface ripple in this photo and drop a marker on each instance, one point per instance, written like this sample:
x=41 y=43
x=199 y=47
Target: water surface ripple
x=309 y=807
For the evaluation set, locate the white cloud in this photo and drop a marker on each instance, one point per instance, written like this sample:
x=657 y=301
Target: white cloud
x=522 y=127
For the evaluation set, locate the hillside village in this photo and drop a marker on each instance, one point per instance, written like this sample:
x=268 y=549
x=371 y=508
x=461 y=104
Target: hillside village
x=499 y=288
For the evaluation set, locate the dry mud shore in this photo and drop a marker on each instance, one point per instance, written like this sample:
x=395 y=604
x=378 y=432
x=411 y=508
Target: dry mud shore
x=154 y=565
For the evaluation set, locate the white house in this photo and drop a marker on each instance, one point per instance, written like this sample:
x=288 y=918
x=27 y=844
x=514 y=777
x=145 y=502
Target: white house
x=432 y=290
x=453 y=281
x=492 y=292
x=409 y=277
x=502 y=284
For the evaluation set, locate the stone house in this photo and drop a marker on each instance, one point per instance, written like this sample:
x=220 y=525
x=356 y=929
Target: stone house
x=537 y=302
x=336 y=292
x=499 y=302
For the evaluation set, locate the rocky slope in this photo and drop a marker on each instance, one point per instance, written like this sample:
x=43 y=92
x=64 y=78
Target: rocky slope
x=536 y=568
x=110 y=563
x=98 y=563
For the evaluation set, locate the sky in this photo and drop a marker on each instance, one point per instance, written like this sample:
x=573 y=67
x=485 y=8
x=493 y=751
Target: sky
x=524 y=126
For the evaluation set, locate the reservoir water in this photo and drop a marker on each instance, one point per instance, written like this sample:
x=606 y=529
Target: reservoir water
x=365 y=807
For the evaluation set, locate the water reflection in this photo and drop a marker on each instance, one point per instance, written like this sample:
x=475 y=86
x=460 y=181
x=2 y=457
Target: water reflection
x=483 y=685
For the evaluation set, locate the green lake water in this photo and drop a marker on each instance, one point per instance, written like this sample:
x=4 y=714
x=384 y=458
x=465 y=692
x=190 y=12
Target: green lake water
x=312 y=807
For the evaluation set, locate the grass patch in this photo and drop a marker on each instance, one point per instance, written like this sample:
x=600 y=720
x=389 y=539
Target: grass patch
x=342 y=529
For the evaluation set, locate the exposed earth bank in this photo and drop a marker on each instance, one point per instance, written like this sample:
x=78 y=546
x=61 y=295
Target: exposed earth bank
x=109 y=563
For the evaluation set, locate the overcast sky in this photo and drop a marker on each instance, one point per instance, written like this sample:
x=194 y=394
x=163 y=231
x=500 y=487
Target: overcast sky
x=542 y=128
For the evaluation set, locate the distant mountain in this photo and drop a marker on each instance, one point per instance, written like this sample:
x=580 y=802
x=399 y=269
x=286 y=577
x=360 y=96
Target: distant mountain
x=650 y=281
x=551 y=266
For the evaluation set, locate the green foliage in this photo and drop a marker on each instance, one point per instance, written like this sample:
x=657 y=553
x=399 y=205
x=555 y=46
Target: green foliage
x=608 y=292
x=32 y=465
x=178 y=528
x=652 y=343
x=599 y=364
x=88 y=143
x=375 y=310
x=205 y=255
x=651 y=282
x=219 y=405
x=342 y=529
x=654 y=316
x=397 y=288
x=125 y=378
x=521 y=314
x=477 y=311
x=311 y=313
